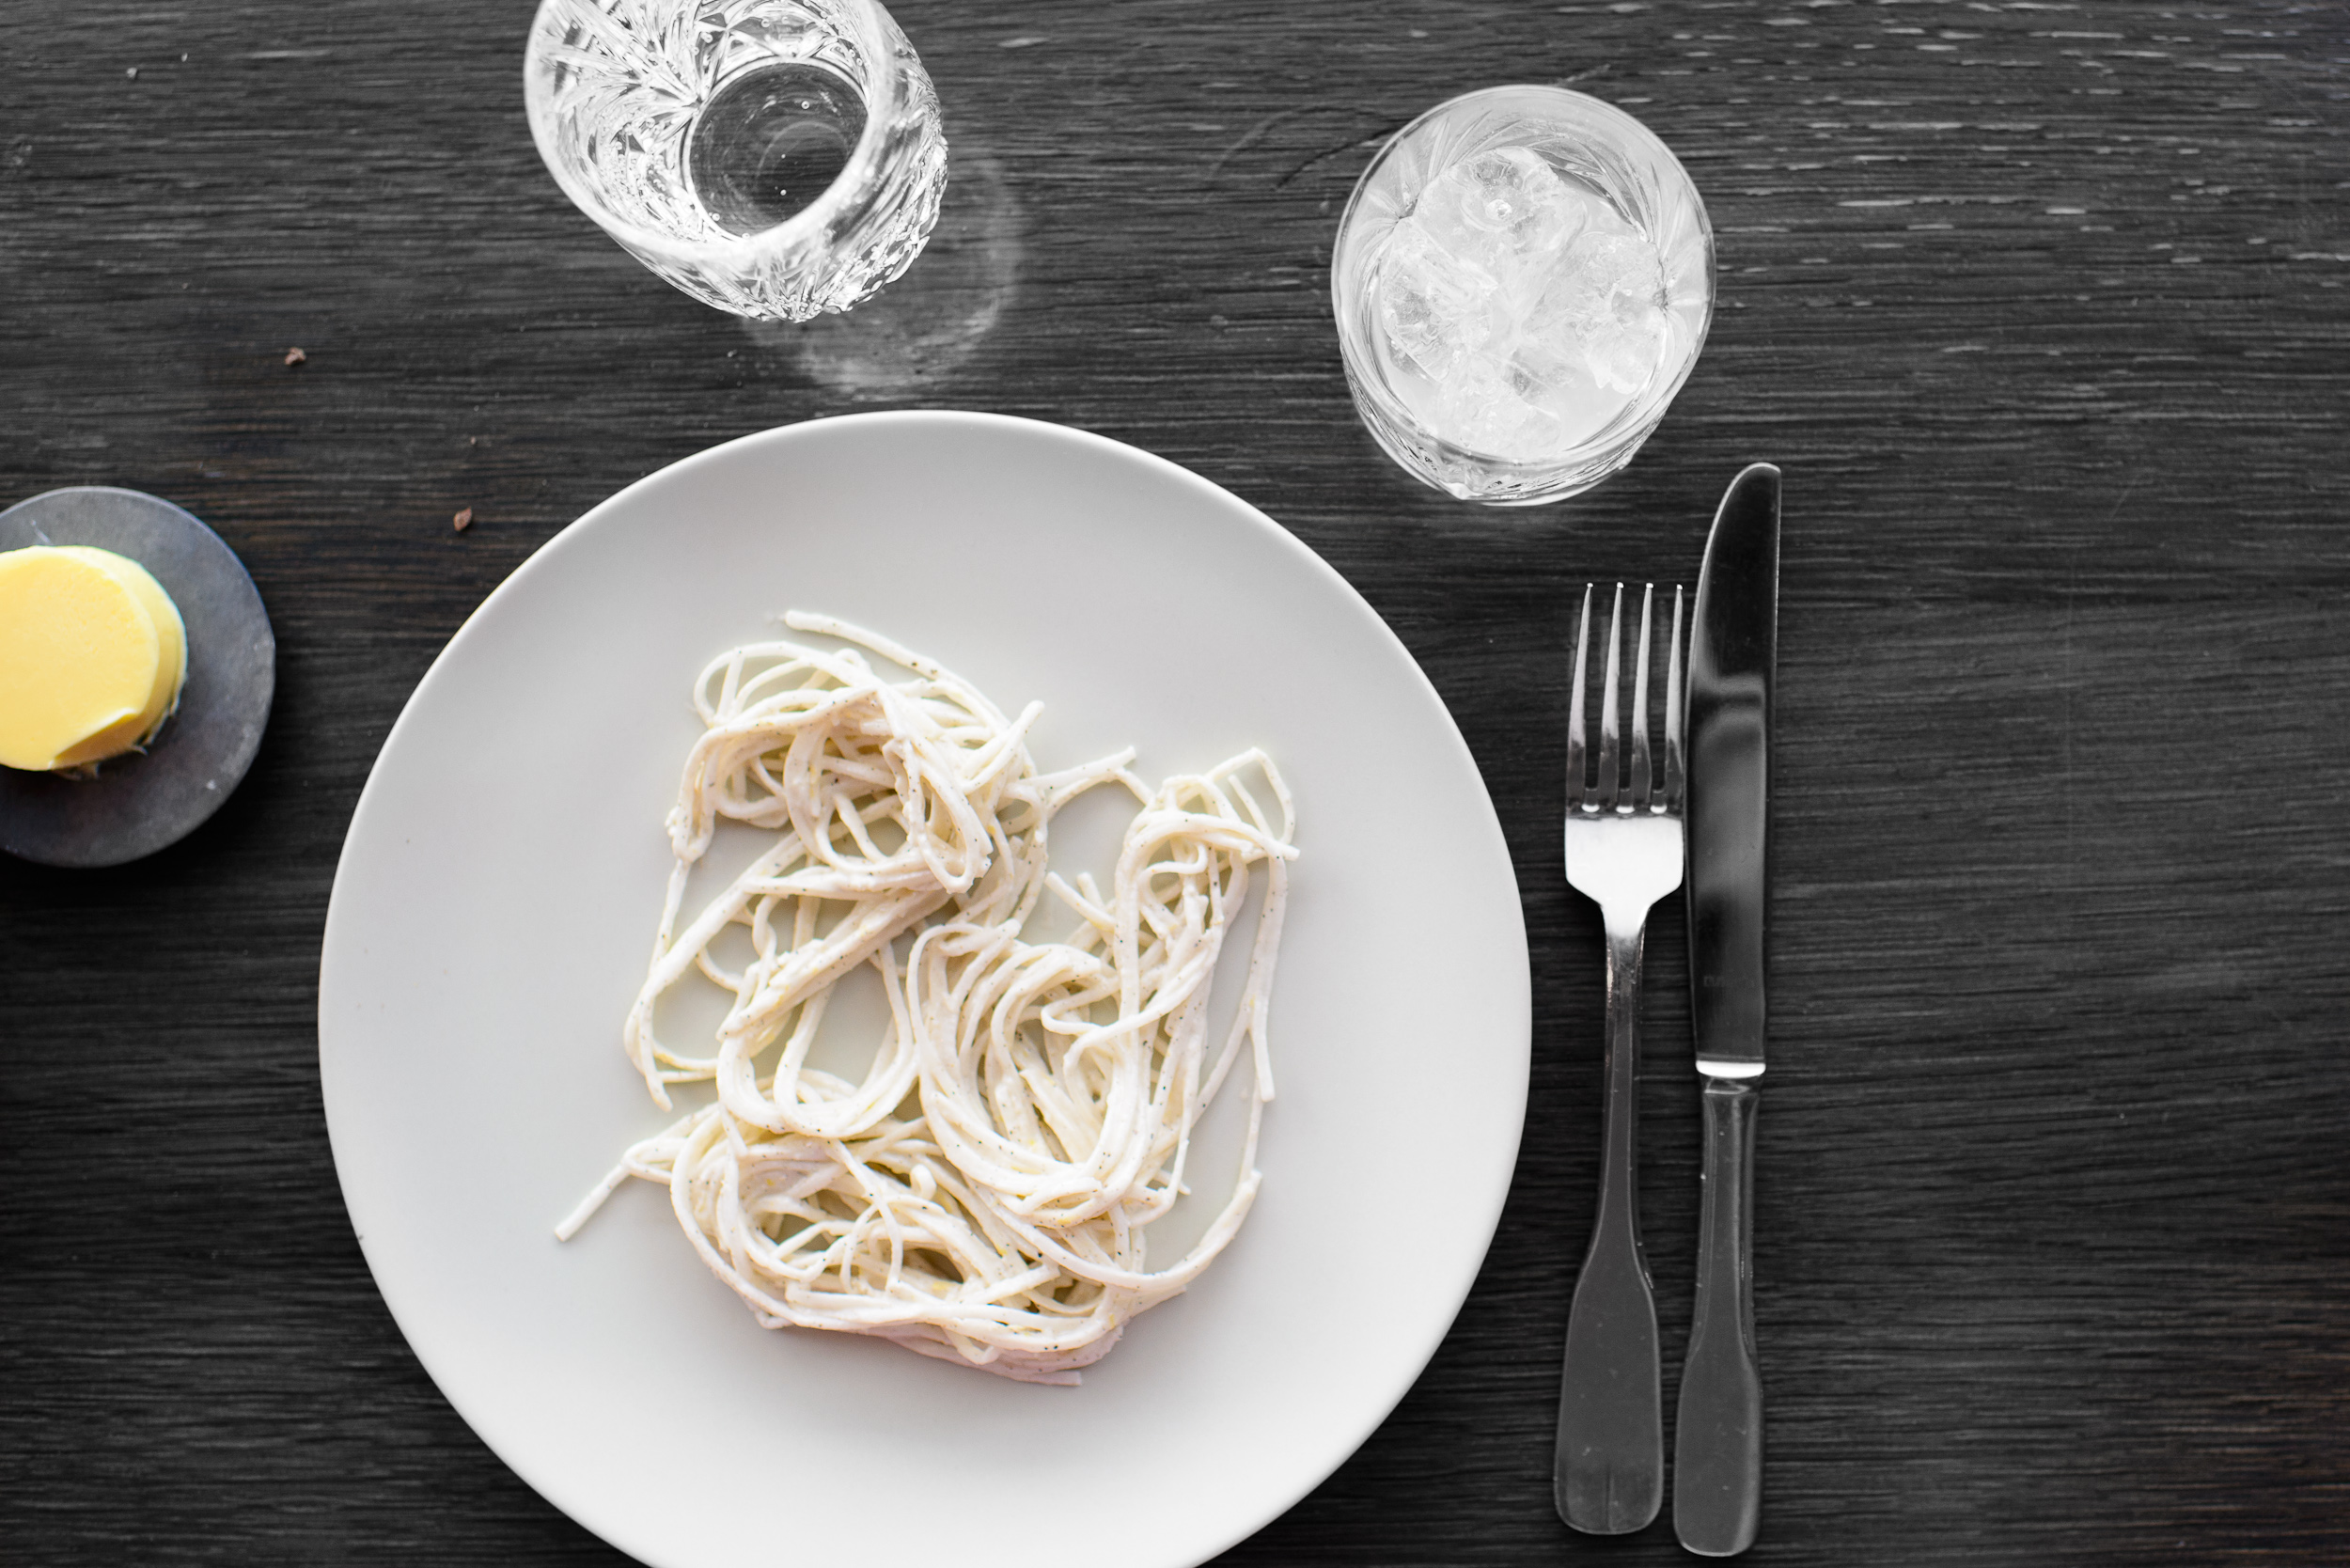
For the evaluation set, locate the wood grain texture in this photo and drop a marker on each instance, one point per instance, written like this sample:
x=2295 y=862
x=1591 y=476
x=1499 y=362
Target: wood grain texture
x=2041 y=307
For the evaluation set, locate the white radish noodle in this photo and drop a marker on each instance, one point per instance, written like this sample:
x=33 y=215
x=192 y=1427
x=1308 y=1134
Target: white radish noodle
x=982 y=1194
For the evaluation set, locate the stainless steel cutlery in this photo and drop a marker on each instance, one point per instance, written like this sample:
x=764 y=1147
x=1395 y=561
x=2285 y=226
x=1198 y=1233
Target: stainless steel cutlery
x=1733 y=645
x=1624 y=851
x=1628 y=843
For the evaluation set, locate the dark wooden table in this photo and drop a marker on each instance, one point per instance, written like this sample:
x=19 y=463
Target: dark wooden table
x=2041 y=306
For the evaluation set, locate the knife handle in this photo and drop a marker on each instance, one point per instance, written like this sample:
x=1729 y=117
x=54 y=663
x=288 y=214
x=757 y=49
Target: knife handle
x=1609 y=1475
x=1717 y=1443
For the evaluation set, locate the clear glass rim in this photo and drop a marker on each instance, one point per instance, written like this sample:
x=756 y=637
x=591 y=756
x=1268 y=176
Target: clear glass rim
x=1369 y=385
x=872 y=27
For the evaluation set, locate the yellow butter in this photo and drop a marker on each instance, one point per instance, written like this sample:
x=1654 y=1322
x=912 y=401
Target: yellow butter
x=92 y=655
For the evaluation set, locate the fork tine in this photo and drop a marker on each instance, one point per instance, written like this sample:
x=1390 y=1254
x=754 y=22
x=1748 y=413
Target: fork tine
x=1672 y=715
x=1609 y=781
x=1575 y=709
x=1639 y=708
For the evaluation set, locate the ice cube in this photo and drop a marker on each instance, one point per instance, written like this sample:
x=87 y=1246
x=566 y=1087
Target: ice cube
x=1505 y=192
x=1532 y=305
x=1434 y=307
x=1608 y=300
x=1506 y=213
x=1479 y=406
x=1601 y=215
x=1557 y=381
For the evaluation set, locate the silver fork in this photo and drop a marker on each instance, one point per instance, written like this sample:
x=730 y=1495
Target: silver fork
x=1624 y=852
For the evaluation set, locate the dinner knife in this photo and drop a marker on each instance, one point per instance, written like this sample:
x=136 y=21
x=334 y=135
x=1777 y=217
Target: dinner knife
x=1717 y=1439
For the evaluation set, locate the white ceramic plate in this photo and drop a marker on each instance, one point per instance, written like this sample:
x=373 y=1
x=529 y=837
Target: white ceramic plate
x=494 y=909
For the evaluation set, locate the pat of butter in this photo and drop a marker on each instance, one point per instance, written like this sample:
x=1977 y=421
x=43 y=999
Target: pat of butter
x=92 y=654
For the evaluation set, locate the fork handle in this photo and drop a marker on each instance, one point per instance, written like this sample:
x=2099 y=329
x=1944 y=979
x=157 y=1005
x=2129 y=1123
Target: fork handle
x=1609 y=1477
x=1717 y=1439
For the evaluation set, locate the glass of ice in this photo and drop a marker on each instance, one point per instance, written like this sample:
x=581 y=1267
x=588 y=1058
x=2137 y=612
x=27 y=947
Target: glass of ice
x=774 y=158
x=1523 y=279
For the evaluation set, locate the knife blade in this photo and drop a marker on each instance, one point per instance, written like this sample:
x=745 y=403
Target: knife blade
x=1717 y=1448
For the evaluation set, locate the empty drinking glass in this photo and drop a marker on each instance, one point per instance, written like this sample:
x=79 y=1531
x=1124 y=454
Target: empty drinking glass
x=773 y=158
x=1523 y=279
